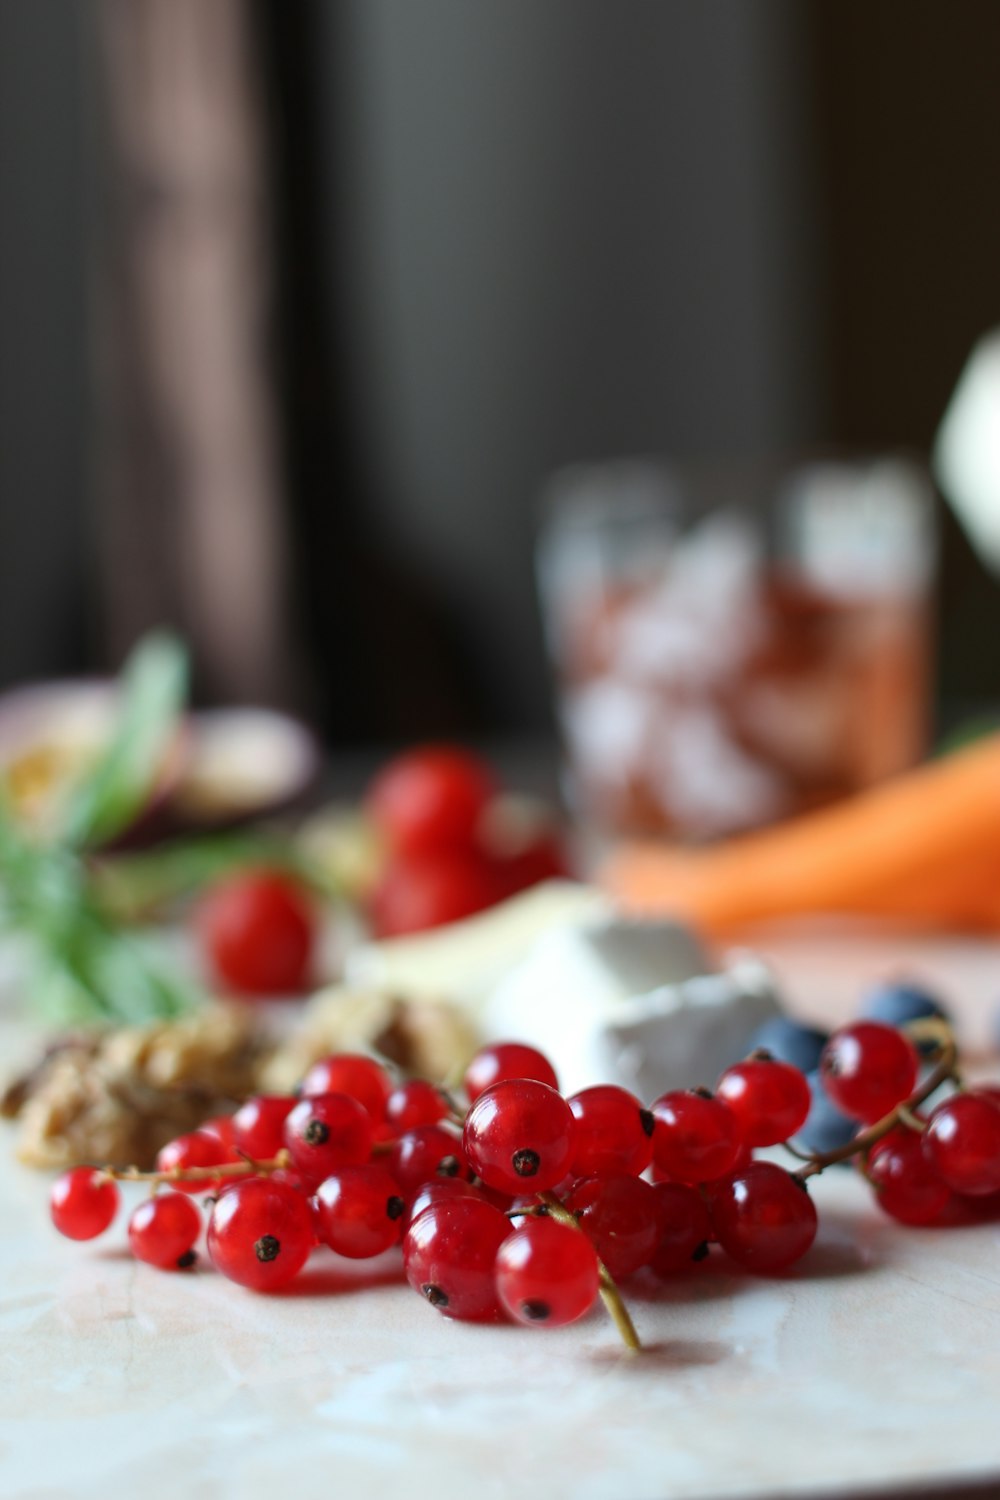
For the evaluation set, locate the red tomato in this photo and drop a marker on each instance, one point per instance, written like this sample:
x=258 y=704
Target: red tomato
x=257 y=932
x=428 y=890
x=430 y=798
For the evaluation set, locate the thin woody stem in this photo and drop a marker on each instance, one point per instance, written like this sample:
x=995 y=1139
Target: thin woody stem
x=903 y=1113
x=227 y=1169
x=610 y=1295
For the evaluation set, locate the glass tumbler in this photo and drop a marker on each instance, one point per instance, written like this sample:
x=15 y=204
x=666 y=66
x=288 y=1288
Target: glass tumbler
x=735 y=646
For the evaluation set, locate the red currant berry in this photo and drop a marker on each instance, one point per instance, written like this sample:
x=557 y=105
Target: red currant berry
x=769 y=1099
x=359 y=1212
x=163 y=1231
x=621 y=1216
x=259 y=1125
x=867 y=1069
x=547 y=1274
x=424 y=1155
x=449 y=1252
x=260 y=1234
x=224 y=1130
x=83 y=1203
x=520 y=1134
x=430 y=798
x=415 y=1103
x=353 y=1074
x=430 y=890
x=906 y=1185
x=686 y=1228
x=503 y=1060
x=613 y=1132
x=258 y=932
x=696 y=1137
x=327 y=1132
x=437 y=1191
x=196 y=1150
x=763 y=1217
x=962 y=1143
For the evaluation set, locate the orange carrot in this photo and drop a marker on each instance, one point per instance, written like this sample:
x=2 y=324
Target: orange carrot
x=923 y=848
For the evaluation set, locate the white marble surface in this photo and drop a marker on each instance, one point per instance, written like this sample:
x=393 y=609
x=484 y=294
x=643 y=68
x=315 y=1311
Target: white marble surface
x=876 y=1365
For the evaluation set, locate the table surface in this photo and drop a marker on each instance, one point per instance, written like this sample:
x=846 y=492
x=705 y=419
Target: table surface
x=873 y=1368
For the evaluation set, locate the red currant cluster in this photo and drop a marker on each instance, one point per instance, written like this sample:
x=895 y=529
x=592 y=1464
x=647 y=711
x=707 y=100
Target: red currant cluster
x=530 y=1205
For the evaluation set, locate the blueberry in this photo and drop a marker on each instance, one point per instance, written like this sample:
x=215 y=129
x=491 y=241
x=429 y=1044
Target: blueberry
x=895 y=1004
x=791 y=1042
x=825 y=1129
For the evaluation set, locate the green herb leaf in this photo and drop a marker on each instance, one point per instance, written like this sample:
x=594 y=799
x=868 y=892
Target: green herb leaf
x=154 y=684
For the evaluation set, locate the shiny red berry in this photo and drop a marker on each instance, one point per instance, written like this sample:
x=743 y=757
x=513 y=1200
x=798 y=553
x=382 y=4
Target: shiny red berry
x=260 y=1234
x=449 y=1254
x=867 y=1069
x=519 y=1135
x=354 y=1074
x=259 y=1125
x=359 y=1211
x=685 y=1228
x=613 y=1132
x=547 y=1274
x=622 y=1217
x=770 y=1099
x=962 y=1143
x=327 y=1132
x=198 y=1149
x=83 y=1203
x=906 y=1186
x=258 y=932
x=696 y=1136
x=429 y=798
x=763 y=1217
x=414 y=1103
x=501 y=1061
x=425 y=1154
x=163 y=1231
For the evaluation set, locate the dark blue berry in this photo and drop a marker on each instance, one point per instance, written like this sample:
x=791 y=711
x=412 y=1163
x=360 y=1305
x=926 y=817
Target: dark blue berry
x=896 y=1004
x=789 y=1041
x=825 y=1129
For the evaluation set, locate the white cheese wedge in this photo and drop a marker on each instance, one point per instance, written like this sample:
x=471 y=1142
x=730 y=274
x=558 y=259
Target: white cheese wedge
x=631 y=1003
x=465 y=960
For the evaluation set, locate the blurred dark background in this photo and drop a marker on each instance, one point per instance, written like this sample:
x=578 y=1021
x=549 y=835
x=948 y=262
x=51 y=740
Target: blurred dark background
x=302 y=300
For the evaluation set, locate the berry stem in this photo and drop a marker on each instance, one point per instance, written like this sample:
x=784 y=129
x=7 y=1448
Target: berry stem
x=945 y=1068
x=610 y=1295
x=245 y=1168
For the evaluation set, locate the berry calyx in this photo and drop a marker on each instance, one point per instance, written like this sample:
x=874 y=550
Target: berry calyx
x=426 y=1154
x=685 y=1228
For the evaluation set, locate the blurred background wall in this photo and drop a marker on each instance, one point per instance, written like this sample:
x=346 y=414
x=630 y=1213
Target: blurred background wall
x=487 y=240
